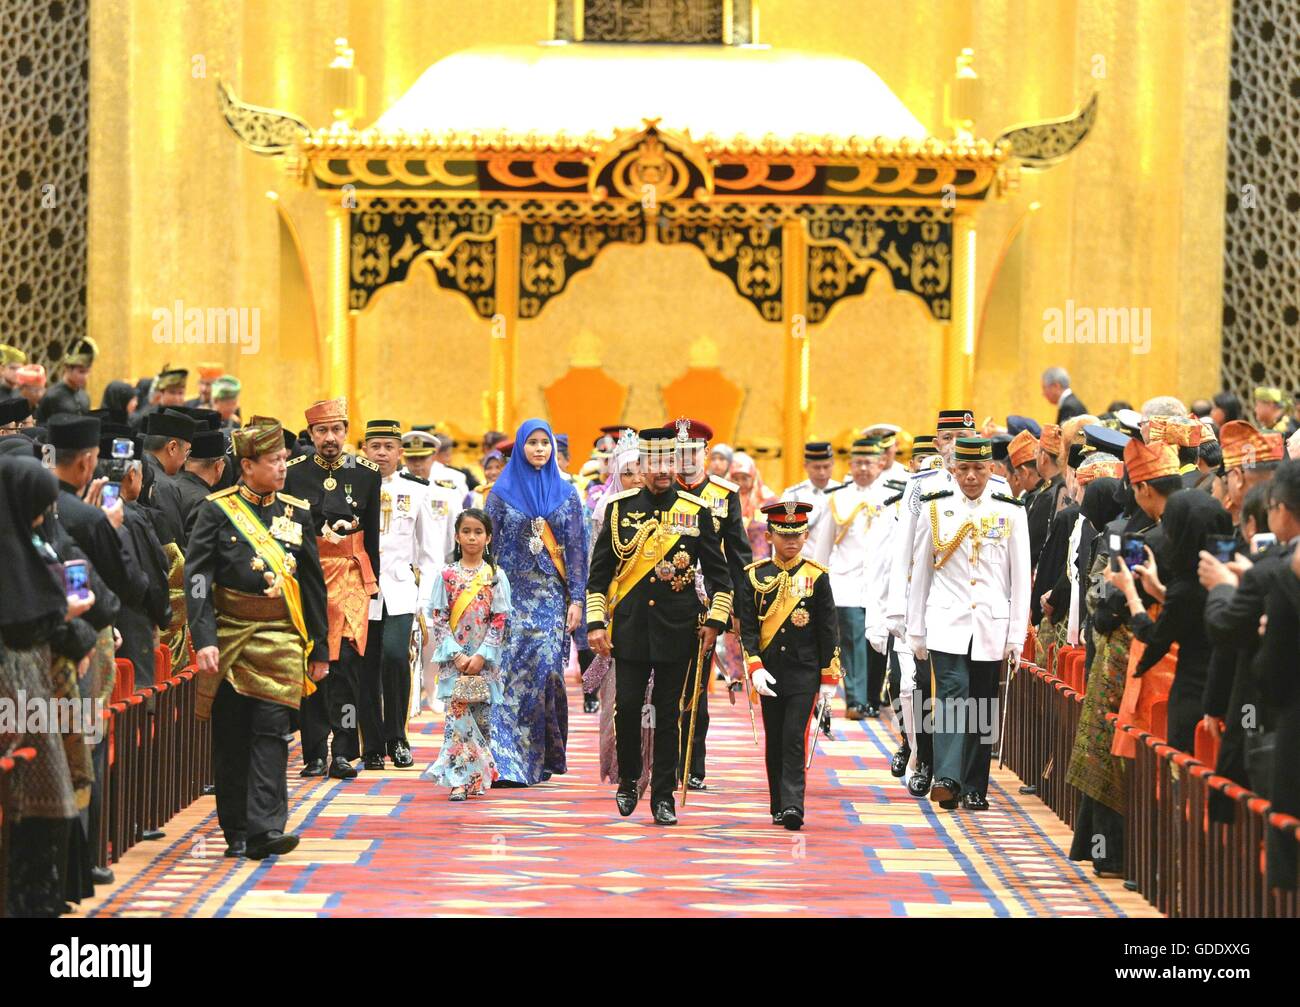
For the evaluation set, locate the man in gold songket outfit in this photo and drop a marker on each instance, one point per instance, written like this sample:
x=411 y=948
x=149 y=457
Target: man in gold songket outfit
x=257 y=616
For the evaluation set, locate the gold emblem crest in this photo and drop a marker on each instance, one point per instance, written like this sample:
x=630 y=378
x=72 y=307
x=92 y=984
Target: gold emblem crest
x=800 y=617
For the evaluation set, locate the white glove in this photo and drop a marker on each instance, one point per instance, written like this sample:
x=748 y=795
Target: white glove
x=828 y=692
x=918 y=648
x=762 y=682
x=880 y=644
x=1014 y=650
x=897 y=628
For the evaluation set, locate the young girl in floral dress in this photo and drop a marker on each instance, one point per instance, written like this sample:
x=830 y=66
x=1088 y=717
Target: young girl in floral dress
x=467 y=614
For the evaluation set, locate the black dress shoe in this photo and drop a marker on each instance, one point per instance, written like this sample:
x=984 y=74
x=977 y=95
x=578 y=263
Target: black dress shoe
x=626 y=797
x=853 y=711
x=974 y=801
x=696 y=783
x=401 y=756
x=590 y=703
x=919 y=784
x=777 y=816
x=373 y=762
x=944 y=790
x=236 y=848
x=271 y=844
x=101 y=875
x=664 y=814
x=316 y=767
x=872 y=710
x=898 y=764
x=1029 y=789
x=792 y=819
x=152 y=835
x=341 y=769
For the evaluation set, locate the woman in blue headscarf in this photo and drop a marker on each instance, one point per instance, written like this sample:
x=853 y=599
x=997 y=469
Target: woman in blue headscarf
x=540 y=541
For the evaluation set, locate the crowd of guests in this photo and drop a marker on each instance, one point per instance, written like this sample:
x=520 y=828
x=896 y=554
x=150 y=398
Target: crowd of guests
x=1162 y=541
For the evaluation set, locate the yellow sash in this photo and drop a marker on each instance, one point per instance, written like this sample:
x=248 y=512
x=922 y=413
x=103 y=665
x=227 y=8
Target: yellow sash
x=553 y=547
x=631 y=573
x=784 y=604
x=259 y=537
x=481 y=579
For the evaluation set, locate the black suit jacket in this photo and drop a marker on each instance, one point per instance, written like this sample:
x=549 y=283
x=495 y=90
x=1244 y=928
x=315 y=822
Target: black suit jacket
x=1069 y=407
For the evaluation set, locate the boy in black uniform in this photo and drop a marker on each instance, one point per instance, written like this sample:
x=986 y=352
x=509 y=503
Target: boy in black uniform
x=642 y=607
x=788 y=623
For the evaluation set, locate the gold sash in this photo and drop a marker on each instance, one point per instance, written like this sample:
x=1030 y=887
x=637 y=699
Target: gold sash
x=784 y=604
x=259 y=537
x=635 y=569
x=553 y=548
x=481 y=579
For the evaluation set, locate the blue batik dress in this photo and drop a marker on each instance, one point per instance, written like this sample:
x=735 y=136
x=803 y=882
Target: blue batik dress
x=530 y=725
x=480 y=599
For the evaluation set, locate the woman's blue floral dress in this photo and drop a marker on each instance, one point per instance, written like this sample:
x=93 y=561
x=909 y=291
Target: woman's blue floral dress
x=530 y=726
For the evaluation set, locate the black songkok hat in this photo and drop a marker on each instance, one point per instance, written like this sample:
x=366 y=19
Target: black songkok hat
x=75 y=433
x=170 y=423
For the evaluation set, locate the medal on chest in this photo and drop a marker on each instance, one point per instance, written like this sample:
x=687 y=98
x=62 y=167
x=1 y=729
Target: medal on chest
x=284 y=530
x=535 y=543
x=800 y=617
x=330 y=484
x=679 y=523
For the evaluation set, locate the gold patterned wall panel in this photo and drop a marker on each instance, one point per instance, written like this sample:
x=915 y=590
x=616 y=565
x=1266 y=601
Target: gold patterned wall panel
x=1133 y=218
x=43 y=159
x=1261 y=311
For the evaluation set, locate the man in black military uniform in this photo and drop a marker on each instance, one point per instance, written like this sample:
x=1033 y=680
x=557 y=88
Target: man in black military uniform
x=68 y=395
x=790 y=627
x=643 y=608
x=257 y=616
x=343 y=491
x=723 y=499
x=203 y=471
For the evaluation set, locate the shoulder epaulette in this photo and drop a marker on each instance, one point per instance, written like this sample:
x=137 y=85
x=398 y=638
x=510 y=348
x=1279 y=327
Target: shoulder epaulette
x=1008 y=499
x=293 y=501
x=726 y=484
x=757 y=563
x=224 y=493
x=362 y=460
x=820 y=566
x=927 y=497
x=890 y=501
x=446 y=484
x=894 y=484
x=623 y=494
x=683 y=495
x=295 y=460
x=831 y=489
x=923 y=473
x=414 y=478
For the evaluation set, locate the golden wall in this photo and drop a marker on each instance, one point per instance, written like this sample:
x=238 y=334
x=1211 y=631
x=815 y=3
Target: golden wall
x=179 y=211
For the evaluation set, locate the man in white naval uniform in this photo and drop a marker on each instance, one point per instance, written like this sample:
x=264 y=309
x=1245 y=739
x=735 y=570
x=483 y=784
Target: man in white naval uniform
x=951 y=424
x=818 y=463
x=967 y=614
x=916 y=751
x=853 y=511
x=412 y=550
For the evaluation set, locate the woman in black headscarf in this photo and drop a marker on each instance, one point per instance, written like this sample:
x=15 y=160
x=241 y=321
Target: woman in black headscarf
x=119 y=399
x=1188 y=519
x=36 y=621
x=1093 y=770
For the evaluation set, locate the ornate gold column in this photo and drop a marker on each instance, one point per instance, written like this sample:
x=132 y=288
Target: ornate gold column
x=342 y=326
x=501 y=402
x=959 y=333
x=794 y=310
